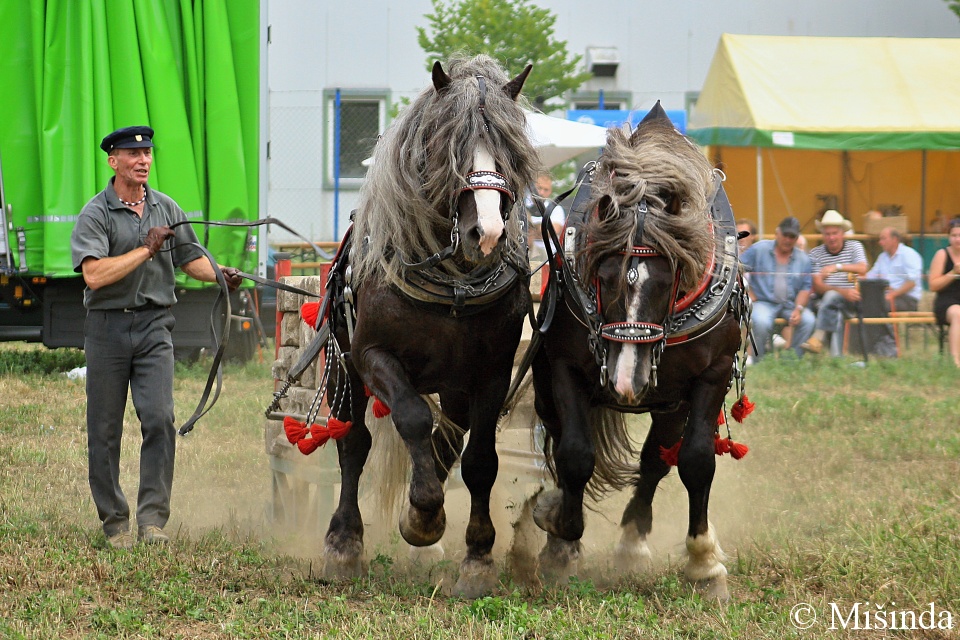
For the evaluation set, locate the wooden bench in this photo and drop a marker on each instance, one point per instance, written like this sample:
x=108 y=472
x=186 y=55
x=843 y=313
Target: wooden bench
x=896 y=319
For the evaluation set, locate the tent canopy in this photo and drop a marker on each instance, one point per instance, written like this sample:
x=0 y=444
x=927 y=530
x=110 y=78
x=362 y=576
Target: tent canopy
x=831 y=93
x=558 y=140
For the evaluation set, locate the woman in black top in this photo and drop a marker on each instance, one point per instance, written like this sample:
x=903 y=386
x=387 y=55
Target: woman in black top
x=945 y=280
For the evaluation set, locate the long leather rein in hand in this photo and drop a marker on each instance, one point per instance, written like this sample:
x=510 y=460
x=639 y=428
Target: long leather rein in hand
x=223 y=298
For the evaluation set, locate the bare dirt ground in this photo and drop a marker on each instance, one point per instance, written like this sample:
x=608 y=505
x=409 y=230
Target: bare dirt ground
x=244 y=497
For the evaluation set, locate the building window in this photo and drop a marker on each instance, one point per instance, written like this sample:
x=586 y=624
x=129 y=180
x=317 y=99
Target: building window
x=591 y=100
x=608 y=105
x=362 y=118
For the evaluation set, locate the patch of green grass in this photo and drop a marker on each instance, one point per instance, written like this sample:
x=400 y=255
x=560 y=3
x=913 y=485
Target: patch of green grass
x=849 y=494
x=37 y=361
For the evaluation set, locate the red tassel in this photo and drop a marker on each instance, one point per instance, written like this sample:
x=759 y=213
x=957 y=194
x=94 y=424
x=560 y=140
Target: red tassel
x=296 y=431
x=738 y=450
x=672 y=455
x=319 y=433
x=380 y=410
x=308 y=445
x=722 y=418
x=309 y=312
x=742 y=408
x=721 y=445
x=366 y=391
x=338 y=428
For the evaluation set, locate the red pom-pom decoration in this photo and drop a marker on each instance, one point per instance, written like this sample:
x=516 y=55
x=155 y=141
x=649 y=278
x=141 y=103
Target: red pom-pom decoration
x=738 y=450
x=295 y=430
x=380 y=410
x=309 y=312
x=308 y=445
x=672 y=455
x=337 y=428
x=319 y=433
x=742 y=408
x=721 y=445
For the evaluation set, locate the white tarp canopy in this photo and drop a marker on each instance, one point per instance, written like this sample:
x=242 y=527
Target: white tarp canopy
x=558 y=140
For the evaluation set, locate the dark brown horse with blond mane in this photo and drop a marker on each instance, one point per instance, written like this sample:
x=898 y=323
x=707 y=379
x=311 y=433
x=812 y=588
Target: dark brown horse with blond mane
x=644 y=313
x=433 y=294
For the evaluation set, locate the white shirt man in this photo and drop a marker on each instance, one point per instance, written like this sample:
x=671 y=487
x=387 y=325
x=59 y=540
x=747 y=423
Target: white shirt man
x=902 y=267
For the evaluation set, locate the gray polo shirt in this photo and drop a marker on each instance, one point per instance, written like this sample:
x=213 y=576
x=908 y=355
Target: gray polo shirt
x=106 y=228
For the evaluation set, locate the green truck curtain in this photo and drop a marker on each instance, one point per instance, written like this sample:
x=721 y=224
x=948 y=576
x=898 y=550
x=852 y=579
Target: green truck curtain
x=75 y=70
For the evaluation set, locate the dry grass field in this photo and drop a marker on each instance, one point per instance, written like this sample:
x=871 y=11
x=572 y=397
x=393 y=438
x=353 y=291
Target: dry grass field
x=845 y=513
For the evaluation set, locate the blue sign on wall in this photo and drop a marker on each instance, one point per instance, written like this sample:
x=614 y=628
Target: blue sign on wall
x=612 y=118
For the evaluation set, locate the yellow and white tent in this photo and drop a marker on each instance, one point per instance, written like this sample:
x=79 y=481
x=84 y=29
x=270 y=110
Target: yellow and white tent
x=872 y=121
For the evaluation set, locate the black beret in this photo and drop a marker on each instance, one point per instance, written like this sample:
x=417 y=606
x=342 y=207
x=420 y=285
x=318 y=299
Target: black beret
x=128 y=138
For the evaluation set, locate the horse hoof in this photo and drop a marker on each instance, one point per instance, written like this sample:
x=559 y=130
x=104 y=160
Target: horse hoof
x=713 y=589
x=477 y=578
x=559 y=560
x=633 y=558
x=420 y=529
x=342 y=564
x=431 y=554
x=546 y=512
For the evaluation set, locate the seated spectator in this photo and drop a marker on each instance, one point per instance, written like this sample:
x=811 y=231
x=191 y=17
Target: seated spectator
x=745 y=242
x=780 y=281
x=836 y=263
x=802 y=243
x=945 y=280
x=902 y=267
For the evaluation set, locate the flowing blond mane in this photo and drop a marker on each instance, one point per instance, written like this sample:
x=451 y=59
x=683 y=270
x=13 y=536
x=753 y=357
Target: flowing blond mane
x=422 y=159
x=660 y=165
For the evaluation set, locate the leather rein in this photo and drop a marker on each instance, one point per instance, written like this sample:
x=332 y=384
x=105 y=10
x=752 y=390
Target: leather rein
x=215 y=377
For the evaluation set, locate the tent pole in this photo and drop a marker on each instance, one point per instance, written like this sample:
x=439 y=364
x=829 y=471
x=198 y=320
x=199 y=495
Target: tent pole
x=923 y=202
x=844 y=171
x=759 y=193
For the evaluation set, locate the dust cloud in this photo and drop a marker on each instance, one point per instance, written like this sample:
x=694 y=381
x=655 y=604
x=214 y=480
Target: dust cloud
x=241 y=496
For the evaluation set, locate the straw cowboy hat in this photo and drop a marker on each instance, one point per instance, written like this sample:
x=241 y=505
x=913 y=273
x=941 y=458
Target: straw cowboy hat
x=833 y=218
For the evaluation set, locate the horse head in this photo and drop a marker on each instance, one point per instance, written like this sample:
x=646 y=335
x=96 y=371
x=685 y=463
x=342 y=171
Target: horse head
x=445 y=174
x=484 y=201
x=648 y=242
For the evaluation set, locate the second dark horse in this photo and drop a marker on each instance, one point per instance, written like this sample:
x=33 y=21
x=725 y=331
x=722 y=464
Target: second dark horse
x=648 y=317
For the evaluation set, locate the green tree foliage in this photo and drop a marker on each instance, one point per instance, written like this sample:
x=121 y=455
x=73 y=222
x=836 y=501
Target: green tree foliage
x=954 y=6
x=514 y=32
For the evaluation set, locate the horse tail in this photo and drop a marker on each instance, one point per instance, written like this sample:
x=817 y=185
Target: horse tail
x=389 y=459
x=615 y=467
x=614 y=453
x=388 y=466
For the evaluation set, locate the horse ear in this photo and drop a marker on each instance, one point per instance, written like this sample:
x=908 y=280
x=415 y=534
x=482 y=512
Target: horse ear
x=513 y=87
x=656 y=113
x=440 y=78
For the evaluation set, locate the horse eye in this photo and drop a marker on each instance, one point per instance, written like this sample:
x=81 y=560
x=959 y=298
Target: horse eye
x=609 y=270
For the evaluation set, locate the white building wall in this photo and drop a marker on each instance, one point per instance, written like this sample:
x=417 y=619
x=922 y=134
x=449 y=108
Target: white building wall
x=665 y=51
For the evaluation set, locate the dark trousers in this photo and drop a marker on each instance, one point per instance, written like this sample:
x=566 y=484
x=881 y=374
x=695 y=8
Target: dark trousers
x=904 y=303
x=130 y=350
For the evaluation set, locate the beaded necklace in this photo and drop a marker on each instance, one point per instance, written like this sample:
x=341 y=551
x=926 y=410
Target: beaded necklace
x=138 y=202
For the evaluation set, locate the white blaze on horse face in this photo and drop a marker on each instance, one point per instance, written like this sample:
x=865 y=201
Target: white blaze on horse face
x=488 y=204
x=627 y=360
